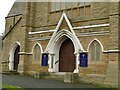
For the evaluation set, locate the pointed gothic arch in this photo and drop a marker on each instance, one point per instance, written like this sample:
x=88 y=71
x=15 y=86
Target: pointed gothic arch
x=54 y=47
x=58 y=37
x=37 y=50
x=98 y=42
x=39 y=46
x=14 y=56
x=95 y=50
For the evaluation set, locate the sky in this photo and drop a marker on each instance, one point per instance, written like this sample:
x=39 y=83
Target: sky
x=5 y=6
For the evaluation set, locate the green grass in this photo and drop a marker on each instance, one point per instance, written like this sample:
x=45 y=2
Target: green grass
x=10 y=87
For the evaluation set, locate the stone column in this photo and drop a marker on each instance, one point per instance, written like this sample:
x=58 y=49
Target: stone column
x=77 y=63
x=11 y=65
x=51 y=62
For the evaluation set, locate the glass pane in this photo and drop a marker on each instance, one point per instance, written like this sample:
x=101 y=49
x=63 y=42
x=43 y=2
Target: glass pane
x=92 y=52
x=52 y=6
x=57 y=5
x=74 y=4
x=63 y=5
x=37 y=53
x=69 y=4
x=87 y=3
x=98 y=48
x=81 y=3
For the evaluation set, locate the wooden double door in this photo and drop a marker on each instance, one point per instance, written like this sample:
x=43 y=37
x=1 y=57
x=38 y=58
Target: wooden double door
x=67 y=57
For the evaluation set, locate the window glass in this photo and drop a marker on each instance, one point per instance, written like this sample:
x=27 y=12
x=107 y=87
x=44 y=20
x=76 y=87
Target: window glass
x=95 y=51
x=74 y=4
x=57 y=5
x=81 y=3
x=52 y=6
x=63 y=5
x=37 y=53
x=92 y=52
x=87 y=3
x=68 y=4
x=98 y=48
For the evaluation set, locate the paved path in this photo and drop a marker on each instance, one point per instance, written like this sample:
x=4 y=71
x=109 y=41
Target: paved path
x=30 y=82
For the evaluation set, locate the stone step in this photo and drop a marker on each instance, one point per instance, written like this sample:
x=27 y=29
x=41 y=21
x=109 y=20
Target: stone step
x=57 y=76
x=13 y=72
x=67 y=77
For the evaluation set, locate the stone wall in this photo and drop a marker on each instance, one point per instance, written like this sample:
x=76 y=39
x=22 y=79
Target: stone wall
x=0 y=53
x=112 y=71
x=37 y=17
x=15 y=33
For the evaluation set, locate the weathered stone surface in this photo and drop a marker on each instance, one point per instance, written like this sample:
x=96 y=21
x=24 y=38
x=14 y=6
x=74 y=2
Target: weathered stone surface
x=36 y=17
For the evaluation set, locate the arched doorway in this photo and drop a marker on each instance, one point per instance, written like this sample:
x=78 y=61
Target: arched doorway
x=16 y=58
x=67 y=57
x=53 y=48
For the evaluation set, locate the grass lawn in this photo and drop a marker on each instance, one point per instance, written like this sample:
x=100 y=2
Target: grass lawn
x=10 y=87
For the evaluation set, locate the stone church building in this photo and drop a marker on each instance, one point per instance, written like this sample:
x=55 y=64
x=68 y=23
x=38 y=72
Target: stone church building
x=63 y=31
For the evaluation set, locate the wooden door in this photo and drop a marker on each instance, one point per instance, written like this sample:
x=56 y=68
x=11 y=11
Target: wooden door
x=16 y=58
x=66 y=57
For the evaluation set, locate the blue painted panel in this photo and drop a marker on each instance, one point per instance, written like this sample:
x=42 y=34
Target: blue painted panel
x=83 y=59
x=45 y=59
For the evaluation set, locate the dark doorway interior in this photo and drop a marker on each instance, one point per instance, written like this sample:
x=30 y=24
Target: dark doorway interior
x=67 y=57
x=16 y=58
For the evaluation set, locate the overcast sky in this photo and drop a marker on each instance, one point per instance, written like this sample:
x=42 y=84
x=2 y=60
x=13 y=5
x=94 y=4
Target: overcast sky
x=5 y=6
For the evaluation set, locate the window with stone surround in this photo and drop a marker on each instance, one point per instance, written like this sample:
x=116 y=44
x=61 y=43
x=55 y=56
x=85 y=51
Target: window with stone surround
x=37 y=53
x=72 y=9
x=58 y=6
x=95 y=51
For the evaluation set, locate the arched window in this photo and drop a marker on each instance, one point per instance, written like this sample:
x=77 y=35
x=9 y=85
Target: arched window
x=95 y=51
x=37 y=53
